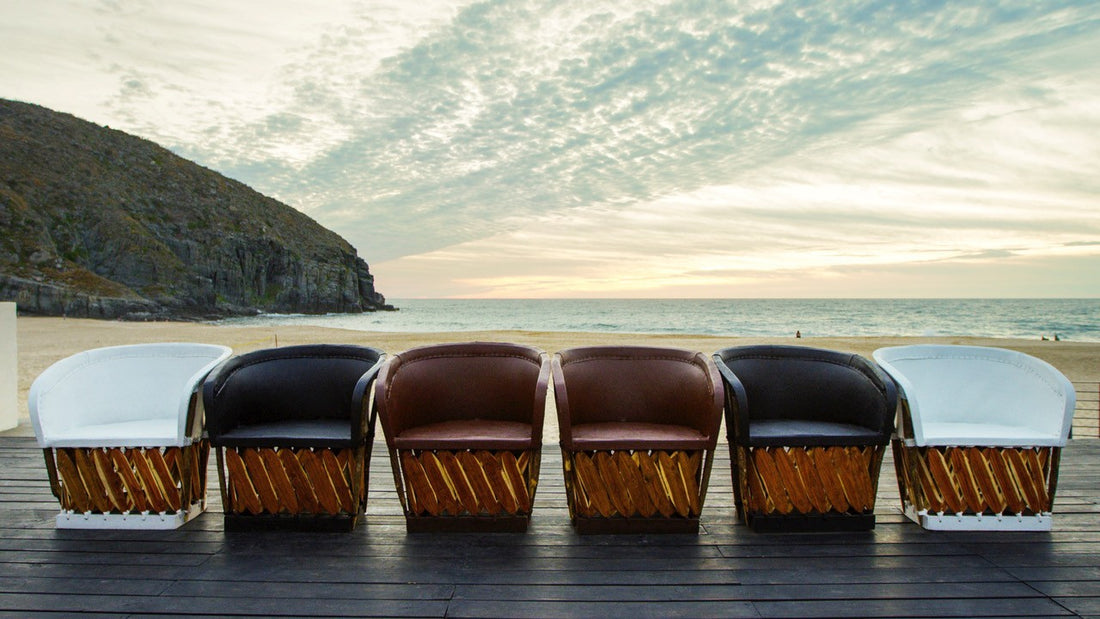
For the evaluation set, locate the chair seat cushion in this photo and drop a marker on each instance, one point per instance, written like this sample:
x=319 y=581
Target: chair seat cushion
x=635 y=435
x=797 y=432
x=315 y=433
x=985 y=434
x=467 y=434
x=141 y=433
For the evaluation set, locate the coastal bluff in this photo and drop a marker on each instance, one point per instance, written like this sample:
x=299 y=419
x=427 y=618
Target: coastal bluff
x=97 y=223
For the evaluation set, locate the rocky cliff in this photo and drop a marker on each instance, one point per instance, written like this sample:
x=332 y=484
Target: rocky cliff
x=98 y=223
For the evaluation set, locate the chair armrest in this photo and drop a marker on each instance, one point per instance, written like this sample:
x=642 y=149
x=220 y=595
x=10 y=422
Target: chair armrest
x=561 y=402
x=736 y=400
x=360 y=403
x=542 y=386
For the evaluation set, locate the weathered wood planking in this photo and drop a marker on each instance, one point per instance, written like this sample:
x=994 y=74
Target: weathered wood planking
x=898 y=569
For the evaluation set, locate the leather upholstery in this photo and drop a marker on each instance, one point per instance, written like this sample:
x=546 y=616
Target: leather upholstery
x=122 y=396
x=474 y=395
x=466 y=434
x=297 y=396
x=634 y=397
x=977 y=395
x=800 y=396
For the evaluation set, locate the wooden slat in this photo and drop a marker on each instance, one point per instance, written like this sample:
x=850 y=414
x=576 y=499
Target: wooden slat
x=280 y=481
x=467 y=498
x=1009 y=490
x=517 y=484
x=726 y=570
x=318 y=478
x=335 y=474
x=446 y=483
x=495 y=475
x=652 y=480
x=134 y=489
x=111 y=481
x=246 y=498
x=479 y=482
x=613 y=484
x=639 y=484
x=815 y=491
x=634 y=484
x=591 y=487
x=97 y=494
x=77 y=494
x=689 y=470
x=830 y=483
x=982 y=480
x=992 y=496
x=790 y=481
x=304 y=495
x=802 y=481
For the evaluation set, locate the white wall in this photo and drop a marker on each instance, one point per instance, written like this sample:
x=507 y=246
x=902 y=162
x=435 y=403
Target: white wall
x=9 y=368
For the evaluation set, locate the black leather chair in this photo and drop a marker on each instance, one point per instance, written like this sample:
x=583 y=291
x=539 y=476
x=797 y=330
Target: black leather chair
x=463 y=424
x=293 y=430
x=807 y=430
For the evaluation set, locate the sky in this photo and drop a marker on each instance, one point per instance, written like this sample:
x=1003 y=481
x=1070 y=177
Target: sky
x=604 y=148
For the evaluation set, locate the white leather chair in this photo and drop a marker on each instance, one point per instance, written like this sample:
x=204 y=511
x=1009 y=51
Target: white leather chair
x=121 y=429
x=980 y=435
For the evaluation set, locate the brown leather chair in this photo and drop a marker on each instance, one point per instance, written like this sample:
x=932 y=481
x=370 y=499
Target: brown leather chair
x=463 y=423
x=638 y=430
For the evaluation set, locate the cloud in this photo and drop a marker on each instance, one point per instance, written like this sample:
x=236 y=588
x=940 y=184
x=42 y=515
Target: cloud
x=520 y=109
x=527 y=146
x=977 y=192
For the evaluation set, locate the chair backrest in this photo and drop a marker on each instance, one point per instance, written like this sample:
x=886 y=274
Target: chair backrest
x=293 y=383
x=463 y=381
x=120 y=384
x=602 y=384
x=801 y=383
x=982 y=385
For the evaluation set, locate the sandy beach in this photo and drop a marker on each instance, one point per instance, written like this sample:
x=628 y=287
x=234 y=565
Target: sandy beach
x=43 y=341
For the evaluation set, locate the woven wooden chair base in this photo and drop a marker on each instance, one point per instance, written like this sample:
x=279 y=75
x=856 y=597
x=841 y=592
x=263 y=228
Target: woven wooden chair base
x=116 y=480
x=477 y=490
x=815 y=488
x=977 y=480
x=293 y=482
x=636 y=491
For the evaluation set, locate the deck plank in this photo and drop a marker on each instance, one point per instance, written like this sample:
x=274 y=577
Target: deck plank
x=379 y=570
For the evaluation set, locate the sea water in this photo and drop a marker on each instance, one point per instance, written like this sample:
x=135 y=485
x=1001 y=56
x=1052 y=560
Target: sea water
x=1066 y=319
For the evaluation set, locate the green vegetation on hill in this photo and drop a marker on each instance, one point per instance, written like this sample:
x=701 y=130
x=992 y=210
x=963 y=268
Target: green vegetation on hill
x=100 y=223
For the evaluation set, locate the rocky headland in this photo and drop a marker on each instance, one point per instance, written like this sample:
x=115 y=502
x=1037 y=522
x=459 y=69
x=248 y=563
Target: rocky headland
x=101 y=224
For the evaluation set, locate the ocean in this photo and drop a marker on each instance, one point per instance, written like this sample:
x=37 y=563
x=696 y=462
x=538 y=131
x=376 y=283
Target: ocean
x=1067 y=319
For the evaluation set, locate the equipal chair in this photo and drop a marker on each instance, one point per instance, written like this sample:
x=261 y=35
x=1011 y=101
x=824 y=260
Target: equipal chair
x=463 y=423
x=292 y=429
x=980 y=436
x=121 y=430
x=638 y=430
x=807 y=430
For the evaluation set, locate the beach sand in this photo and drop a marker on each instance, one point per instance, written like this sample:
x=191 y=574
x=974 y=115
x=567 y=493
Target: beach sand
x=43 y=341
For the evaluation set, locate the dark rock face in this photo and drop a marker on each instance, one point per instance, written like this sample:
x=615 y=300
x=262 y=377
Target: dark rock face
x=102 y=224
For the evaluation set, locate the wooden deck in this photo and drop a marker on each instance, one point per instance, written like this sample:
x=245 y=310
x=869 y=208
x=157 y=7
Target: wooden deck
x=898 y=569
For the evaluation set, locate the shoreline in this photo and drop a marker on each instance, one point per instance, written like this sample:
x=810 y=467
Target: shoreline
x=43 y=341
